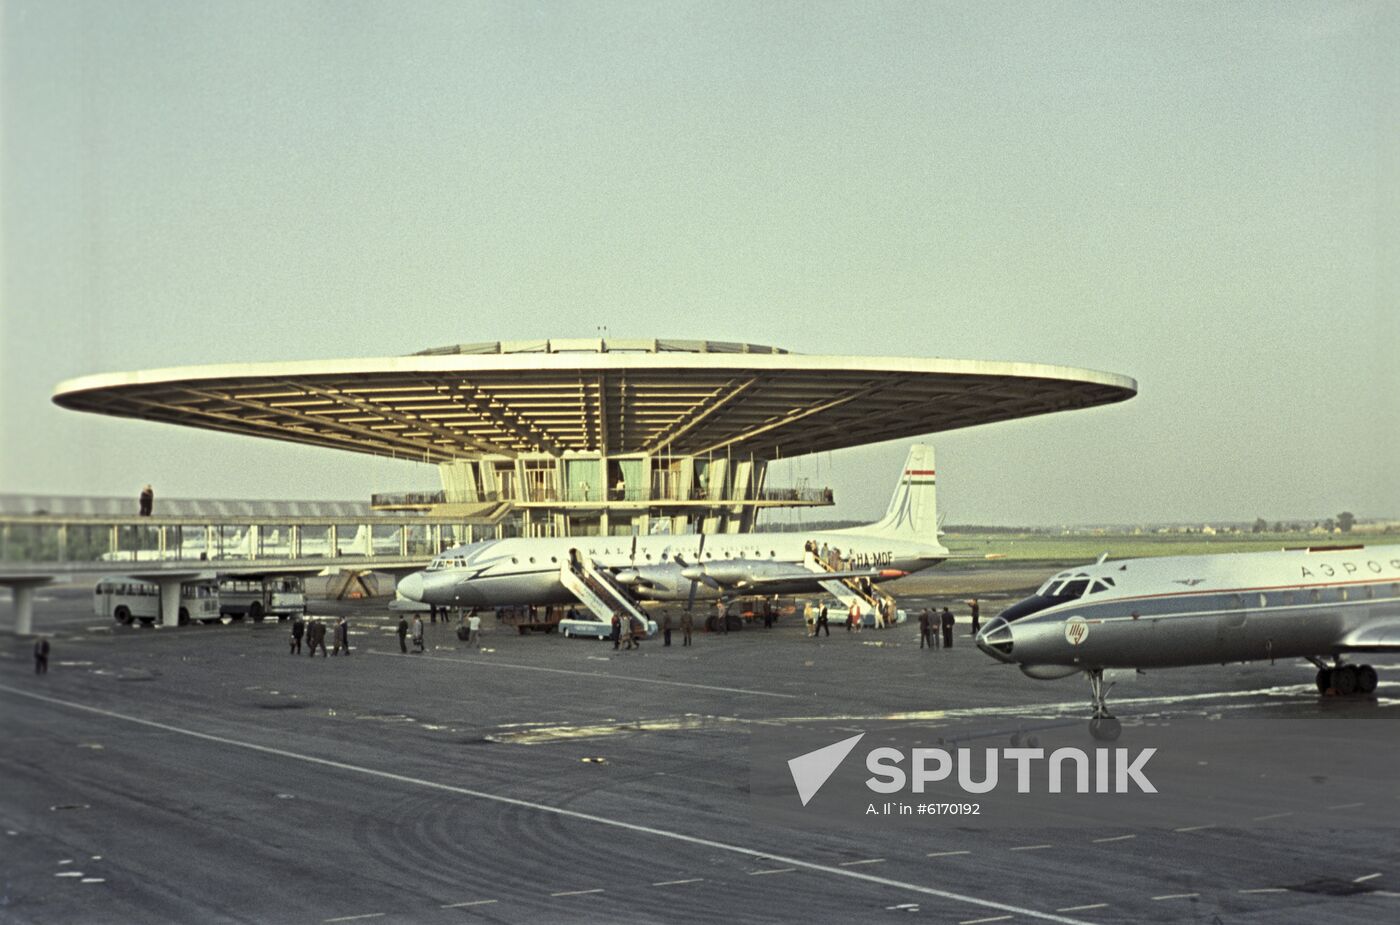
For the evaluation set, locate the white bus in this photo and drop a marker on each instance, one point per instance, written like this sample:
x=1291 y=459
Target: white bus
x=129 y=599
x=280 y=597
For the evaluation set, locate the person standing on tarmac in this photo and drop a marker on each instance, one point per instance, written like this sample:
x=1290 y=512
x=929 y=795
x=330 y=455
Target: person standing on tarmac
x=686 y=624
x=342 y=636
x=474 y=630
x=41 y=655
x=666 y=630
x=925 y=629
x=418 y=633
x=403 y=634
x=617 y=629
x=822 y=626
x=976 y=616
x=947 y=628
x=315 y=637
x=298 y=631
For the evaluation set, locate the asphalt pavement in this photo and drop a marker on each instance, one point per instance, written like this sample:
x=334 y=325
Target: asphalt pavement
x=203 y=774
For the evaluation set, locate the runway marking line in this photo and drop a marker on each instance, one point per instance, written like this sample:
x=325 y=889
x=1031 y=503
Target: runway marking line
x=1267 y=889
x=995 y=918
x=474 y=902
x=776 y=870
x=578 y=892
x=945 y=854
x=584 y=674
x=1365 y=878
x=1029 y=847
x=1195 y=828
x=1272 y=816
x=1083 y=908
x=1175 y=896
x=1345 y=806
x=556 y=811
x=679 y=882
x=1103 y=841
x=858 y=863
x=356 y=918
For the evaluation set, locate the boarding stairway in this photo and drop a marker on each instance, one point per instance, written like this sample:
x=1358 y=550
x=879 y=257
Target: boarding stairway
x=849 y=591
x=597 y=590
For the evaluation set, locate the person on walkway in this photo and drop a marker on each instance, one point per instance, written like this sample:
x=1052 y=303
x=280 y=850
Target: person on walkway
x=634 y=633
x=617 y=629
x=809 y=618
x=41 y=655
x=822 y=626
x=418 y=633
x=947 y=628
x=298 y=631
x=403 y=634
x=686 y=623
x=976 y=616
x=666 y=630
x=342 y=636
x=854 y=618
x=146 y=500
x=925 y=630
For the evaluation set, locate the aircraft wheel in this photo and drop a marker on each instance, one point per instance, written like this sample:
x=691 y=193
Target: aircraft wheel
x=1366 y=679
x=122 y=615
x=1105 y=728
x=1345 y=679
x=1324 y=680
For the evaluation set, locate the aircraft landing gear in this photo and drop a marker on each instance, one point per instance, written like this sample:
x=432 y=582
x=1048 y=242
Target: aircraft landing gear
x=1345 y=680
x=1104 y=726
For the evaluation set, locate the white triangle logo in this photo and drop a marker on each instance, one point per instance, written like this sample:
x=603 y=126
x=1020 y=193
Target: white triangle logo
x=811 y=770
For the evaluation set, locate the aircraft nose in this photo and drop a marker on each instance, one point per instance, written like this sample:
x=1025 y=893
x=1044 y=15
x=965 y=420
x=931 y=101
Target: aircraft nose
x=411 y=586
x=995 y=639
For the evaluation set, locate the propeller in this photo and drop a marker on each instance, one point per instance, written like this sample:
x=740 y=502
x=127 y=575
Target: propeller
x=695 y=574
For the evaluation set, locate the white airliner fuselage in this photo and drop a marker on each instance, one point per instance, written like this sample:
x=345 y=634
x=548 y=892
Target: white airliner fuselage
x=538 y=571
x=1206 y=610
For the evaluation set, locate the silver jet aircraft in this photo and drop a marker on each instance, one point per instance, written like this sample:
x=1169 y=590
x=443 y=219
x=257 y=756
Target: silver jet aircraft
x=608 y=574
x=1313 y=603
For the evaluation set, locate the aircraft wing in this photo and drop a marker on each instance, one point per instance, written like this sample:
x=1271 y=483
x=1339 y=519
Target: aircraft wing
x=1381 y=635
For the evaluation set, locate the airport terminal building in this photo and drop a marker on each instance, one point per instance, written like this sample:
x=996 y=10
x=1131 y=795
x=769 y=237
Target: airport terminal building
x=596 y=436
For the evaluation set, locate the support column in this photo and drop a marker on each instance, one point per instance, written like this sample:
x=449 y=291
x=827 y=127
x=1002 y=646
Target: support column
x=22 y=590
x=169 y=601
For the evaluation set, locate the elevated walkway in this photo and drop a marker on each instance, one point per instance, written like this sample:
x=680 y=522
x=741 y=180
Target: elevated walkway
x=262 y=539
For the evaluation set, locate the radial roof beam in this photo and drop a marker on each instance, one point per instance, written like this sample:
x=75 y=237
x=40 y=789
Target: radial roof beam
x=478 y=401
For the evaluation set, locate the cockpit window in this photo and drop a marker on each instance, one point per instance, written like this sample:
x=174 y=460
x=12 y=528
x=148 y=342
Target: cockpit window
x=1071 y=589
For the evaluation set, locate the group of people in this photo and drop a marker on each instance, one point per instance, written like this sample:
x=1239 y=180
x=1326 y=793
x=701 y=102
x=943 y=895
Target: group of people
x=314 y=632
x=469 y=631
x=687 y=625
x=635 y=630
x=933 y=625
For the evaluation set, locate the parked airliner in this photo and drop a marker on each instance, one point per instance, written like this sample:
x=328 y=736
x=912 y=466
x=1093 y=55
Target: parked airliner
x=1315 y=603
x=607 y=573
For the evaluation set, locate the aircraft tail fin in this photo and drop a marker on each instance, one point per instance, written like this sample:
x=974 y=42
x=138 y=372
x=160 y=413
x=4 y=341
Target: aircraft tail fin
x=913 y=510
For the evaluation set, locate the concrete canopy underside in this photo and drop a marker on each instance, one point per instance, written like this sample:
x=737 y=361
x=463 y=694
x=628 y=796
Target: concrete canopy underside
x=438 y=408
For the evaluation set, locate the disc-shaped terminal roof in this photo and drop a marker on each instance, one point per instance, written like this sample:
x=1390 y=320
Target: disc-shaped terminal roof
x=617 y=397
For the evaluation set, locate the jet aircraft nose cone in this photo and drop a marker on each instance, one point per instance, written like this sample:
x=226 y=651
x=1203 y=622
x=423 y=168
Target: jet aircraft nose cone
x=411 y=586
x=995 y=640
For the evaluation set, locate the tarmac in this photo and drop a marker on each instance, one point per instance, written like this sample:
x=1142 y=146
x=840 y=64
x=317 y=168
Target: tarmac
x=203 y=774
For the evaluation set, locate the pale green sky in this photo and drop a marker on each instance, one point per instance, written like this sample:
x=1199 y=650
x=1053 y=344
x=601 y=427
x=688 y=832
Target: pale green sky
x=1205 y=197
